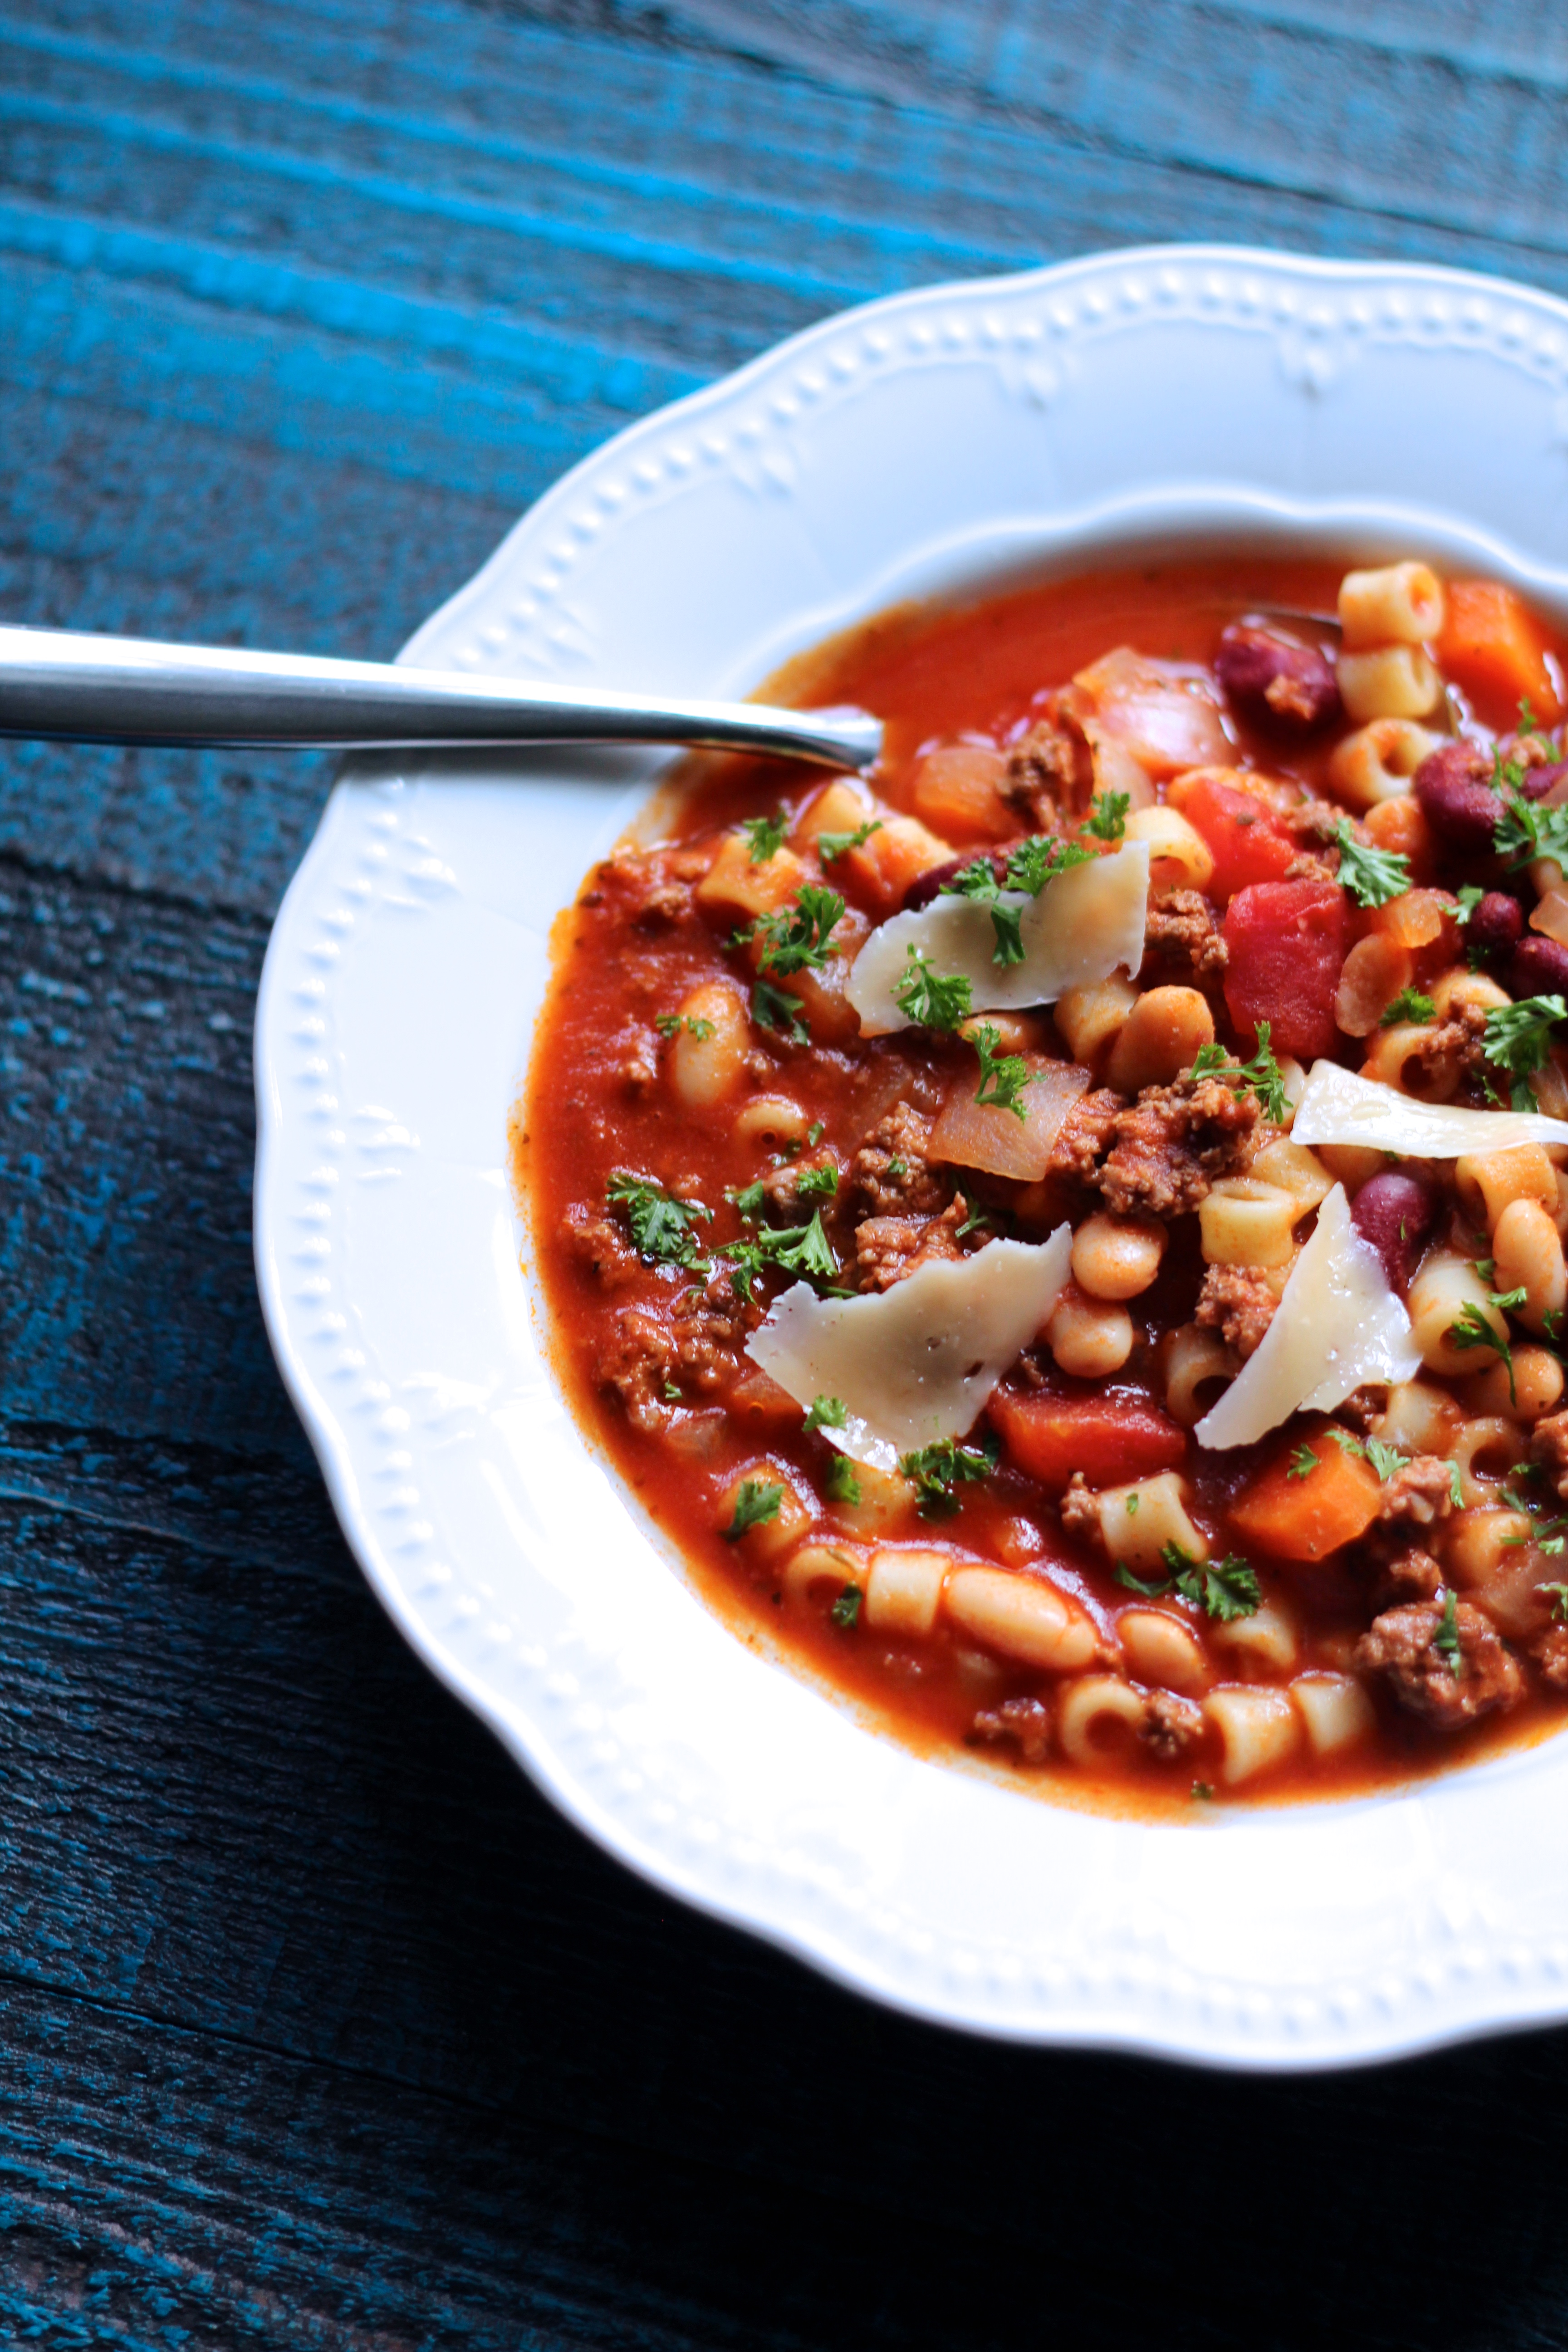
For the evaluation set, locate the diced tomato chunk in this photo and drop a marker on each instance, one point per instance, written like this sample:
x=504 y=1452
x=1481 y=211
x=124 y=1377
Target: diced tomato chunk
x=1288 y=941
x=1111 y=1440
x=1249 y=841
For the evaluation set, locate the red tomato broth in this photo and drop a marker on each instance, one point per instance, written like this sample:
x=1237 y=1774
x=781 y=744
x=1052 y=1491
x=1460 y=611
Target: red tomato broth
x=592 y=1108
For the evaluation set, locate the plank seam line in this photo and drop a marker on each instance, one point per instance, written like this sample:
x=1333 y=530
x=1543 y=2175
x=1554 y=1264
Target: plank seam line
x=181 y=1538
x=34 y=868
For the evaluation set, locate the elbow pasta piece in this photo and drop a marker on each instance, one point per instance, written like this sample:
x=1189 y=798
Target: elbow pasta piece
x=705 y=1068
x=1527 y=1254
x=1460 y=985
x=1490 y=1180
x=1350 y=1164
x=1245 y=1223
x=1378 y=760
x=1116 y=1257
x=817 y=1565
x=1137 y=1521
x=1158 y=1039
x=1089 y=1018
x=1295 y=1169
x=771 y=1119
x=1479 y=1544
x=1417 y=1418
x=1374 y=973
x=1258 y=1727
x=1022 y=1616
x=1179 y=856
x=1414 y=918
x=1334 y=1708
x=1397 y=605
x=1163 y=1650
x=1391 y=682
x=1266 y=1642
x=766 y=1539
x=1092 y=1705
x=888 y=1500
x=1485 y=1453
x=1537 y=1388
x=1392 y=1059
x=1089 y=1338
x=903 y=1590
x=1194 y=1357
x=1443 y=1289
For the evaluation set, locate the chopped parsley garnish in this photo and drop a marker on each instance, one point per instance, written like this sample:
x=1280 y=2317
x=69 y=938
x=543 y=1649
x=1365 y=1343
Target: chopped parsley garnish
x=794 y=938
x=660 y=1225
x=1517 y=1038
x=814 y=1183
x=845 y=1610
x=1472 y=1330
x=896 y=1167
x=749 y=1198
x=1408 y=1005
x=1007 y=922
x=1445 y=1640
x=1373 y=876
x=813 y=1133
x=766 y=834
x=1226 y=1588
x=1132 y=1503
x=1527 y=829
x=756 y=1503
x=1469 y=895
x=927 y=997
x=976 y=880
x=1384 y=1459
x=1304 y=1462
x=1033 y=864
x=832 y=846
x=843 y=1487
x=1203 y=1791
x=1107 y=816
x=1559 y=1601
x=1456 y=1486
x=976 y=1217
x=1527 y=723
x=799 y=1249
x=936 y=1470
x=1040 y=858
x=670 y=1024
x=827 y=1413
x=772 y=1009
x=1262 y=1074
x=1002 y=1077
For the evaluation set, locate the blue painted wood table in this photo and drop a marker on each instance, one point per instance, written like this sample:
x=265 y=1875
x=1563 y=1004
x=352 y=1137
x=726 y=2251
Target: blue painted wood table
x=317 y=2027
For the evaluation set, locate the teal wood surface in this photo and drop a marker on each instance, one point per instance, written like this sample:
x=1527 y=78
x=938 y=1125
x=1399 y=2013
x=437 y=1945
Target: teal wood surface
x=317 y=2027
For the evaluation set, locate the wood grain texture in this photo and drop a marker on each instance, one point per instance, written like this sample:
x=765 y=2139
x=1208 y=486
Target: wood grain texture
x=317 y=2027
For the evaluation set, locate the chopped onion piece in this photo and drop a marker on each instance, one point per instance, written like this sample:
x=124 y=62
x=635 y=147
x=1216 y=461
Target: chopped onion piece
x=1338 y=1324
x=972 y=1134
x=917 y=1363
x=1081 y=928
x=1341 y=1106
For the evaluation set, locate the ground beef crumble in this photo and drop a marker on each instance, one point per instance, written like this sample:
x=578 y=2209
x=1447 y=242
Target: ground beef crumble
x=1402 y=1646
x=1024 y=1721
x=1081 y=1510
x=892 y=1173
x=639 y=1364
x=1170 y=1723
x=1549 y=1446
x=708 y=1327
x=1410 y=1575
x=1173 y=1143
x=1238 y=1303
x=1422 y=1492
x=1182 y=927
x=888 y=1248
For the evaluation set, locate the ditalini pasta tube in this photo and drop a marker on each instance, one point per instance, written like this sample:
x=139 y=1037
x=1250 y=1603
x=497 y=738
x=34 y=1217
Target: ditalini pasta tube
x=1338 y=1324
x=1087 y=924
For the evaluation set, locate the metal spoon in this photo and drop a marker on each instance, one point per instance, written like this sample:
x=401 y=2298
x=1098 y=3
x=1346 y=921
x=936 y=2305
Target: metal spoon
x=73 y=688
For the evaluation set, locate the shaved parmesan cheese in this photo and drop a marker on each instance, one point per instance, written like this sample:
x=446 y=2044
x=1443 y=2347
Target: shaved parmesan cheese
x=1080 y=930
x=916 y=1363
x=1338 y=1324
x=1340 y=1107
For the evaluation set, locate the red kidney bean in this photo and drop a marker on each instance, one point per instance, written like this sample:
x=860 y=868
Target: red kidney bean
x=1456 y=799
x=925 y=887
x=1394 y=1213
x=1546 y=782
x=1538 y=967
x=1275 y=681
x=1496 y=926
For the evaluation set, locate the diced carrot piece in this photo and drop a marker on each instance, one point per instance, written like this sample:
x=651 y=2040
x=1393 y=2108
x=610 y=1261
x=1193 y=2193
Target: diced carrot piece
x=1307 y=1518
x=737 y=883
x=897 y=854
x=838 y=807
x=1493 y=646
x=1249 y=840
x=1287 y=942
x=1110 y=1439
x=957 y=792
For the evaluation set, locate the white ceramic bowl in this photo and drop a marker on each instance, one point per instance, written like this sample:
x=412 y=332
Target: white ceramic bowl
x=934 y=439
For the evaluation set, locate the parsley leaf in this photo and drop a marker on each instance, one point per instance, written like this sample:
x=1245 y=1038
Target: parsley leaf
x=814 y=1182
x=843 y=1486
x=832 y=846
x=1472 y=1330
x=845 y=1610
x=1518 y=1037
x=660 y=1225
x=799 y=1249
x=772 y=1009
x=670 y=1024
x=1373 y=876
x=1445 y=1640
x=936 y=1470
x=1226 y=1588
x=1559 y=1601
x=796 y=939
x=1304 y=1462
x=1007 y=924
x=749 y=1198
x=1107 y=816
x=927 y=997
x=1469 y=895
x=1002 y=1077
x=1526 y=829
x=756 y=1503
x=1262 y=1074
x=976 y=880
x=766 y=834
x=1456 y=1486
x=1040 y=858
x=1384 y=1459
x=827 y=1413
x=1408 y=1005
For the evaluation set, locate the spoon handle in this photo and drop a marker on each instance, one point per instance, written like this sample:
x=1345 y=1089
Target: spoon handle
x=75 y=687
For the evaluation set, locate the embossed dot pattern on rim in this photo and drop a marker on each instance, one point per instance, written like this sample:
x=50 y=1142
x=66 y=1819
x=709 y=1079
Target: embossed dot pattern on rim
x=926 y=439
